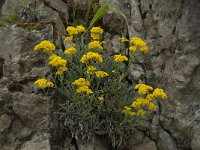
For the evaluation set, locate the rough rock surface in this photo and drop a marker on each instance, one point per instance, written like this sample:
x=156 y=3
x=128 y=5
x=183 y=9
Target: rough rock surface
x=171 y=28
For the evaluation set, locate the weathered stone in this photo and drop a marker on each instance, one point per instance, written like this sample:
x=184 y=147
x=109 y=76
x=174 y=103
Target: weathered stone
x=32 y=109
x=11 y=7
x=20 y=131
x=136 y=71
x=147 y=144
x=96 y=144
x=49 y=15
x=5 y=122
x=60 y=7
x=165 y=141
x=114 y=20
x=112 y=45
x=40 y=141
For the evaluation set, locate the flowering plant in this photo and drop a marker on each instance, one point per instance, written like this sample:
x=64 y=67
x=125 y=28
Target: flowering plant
x=98 y=98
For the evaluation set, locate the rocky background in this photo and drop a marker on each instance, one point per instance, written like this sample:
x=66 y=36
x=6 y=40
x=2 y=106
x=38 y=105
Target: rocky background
x=172 y=30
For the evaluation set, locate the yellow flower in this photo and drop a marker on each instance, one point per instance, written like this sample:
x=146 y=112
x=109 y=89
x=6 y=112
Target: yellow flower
x=90 y=69
x=95 y=36
x=159 y=93
x=70 y=51
x=43 y=83
x=101 y=99
x=128 y=112
x=95 y=45
x=141 y=112
x=45 y=45
x=138 y=42
x=97 y=30
x=81 y=82
x=101 y=74
x=84 y=89
x=80 y=28
x=132 y=48
x=90 y=56
x=140 y=102
x=120 y=58
x=151 y=106
x=59 y=63
x=150 y=97
x=72 y=30
x=123 y=39
x=60 y=70
x=69 y=38
x=143 y=88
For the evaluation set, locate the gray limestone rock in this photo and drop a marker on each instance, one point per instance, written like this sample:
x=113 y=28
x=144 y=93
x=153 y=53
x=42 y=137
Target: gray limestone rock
x=5 y=122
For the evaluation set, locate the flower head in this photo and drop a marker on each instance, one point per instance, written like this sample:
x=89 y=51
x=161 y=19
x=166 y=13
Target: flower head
x=128 y=111
x=80 y=29
x=96 y=32
x=43 y=83
x=95 y=45
x=138 y=42
x=59 y=63
x=45 y=45
x=72 y=30
x=81 y=82
x=132 y=48
x=70 y=51
x=101 y=74
x=84 y=89
x=91 y=55
x=90 y=69
x=69 y=38
x=143 y=88
x=159 y=93
x=119 y=58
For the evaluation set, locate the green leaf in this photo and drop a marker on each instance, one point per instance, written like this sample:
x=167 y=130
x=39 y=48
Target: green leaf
x=99 y=14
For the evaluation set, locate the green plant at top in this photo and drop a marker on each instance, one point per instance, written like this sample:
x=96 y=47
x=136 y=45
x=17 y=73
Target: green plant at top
x=98 y=99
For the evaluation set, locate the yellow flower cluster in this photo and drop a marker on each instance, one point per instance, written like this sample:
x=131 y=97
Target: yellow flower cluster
x=43 y=83
x=80 y=29
x=138 y=42
x=96 y=33
x=143 y=104
x=74 y=31
x=69 y=38
x=141 y=112
x=143 y=88
x=128 y=111
x=95 y=45
x=45 y=45
x=101 y=74
x=90 y=69
x=90 y=56
x=159 y=93
x=139 y=102
x=84 y=89
x=59 y=63
x=81 y=82
x=119 y=58
x=83 y=86
x=70 y=51
x=123 y=39
x=132 y=48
